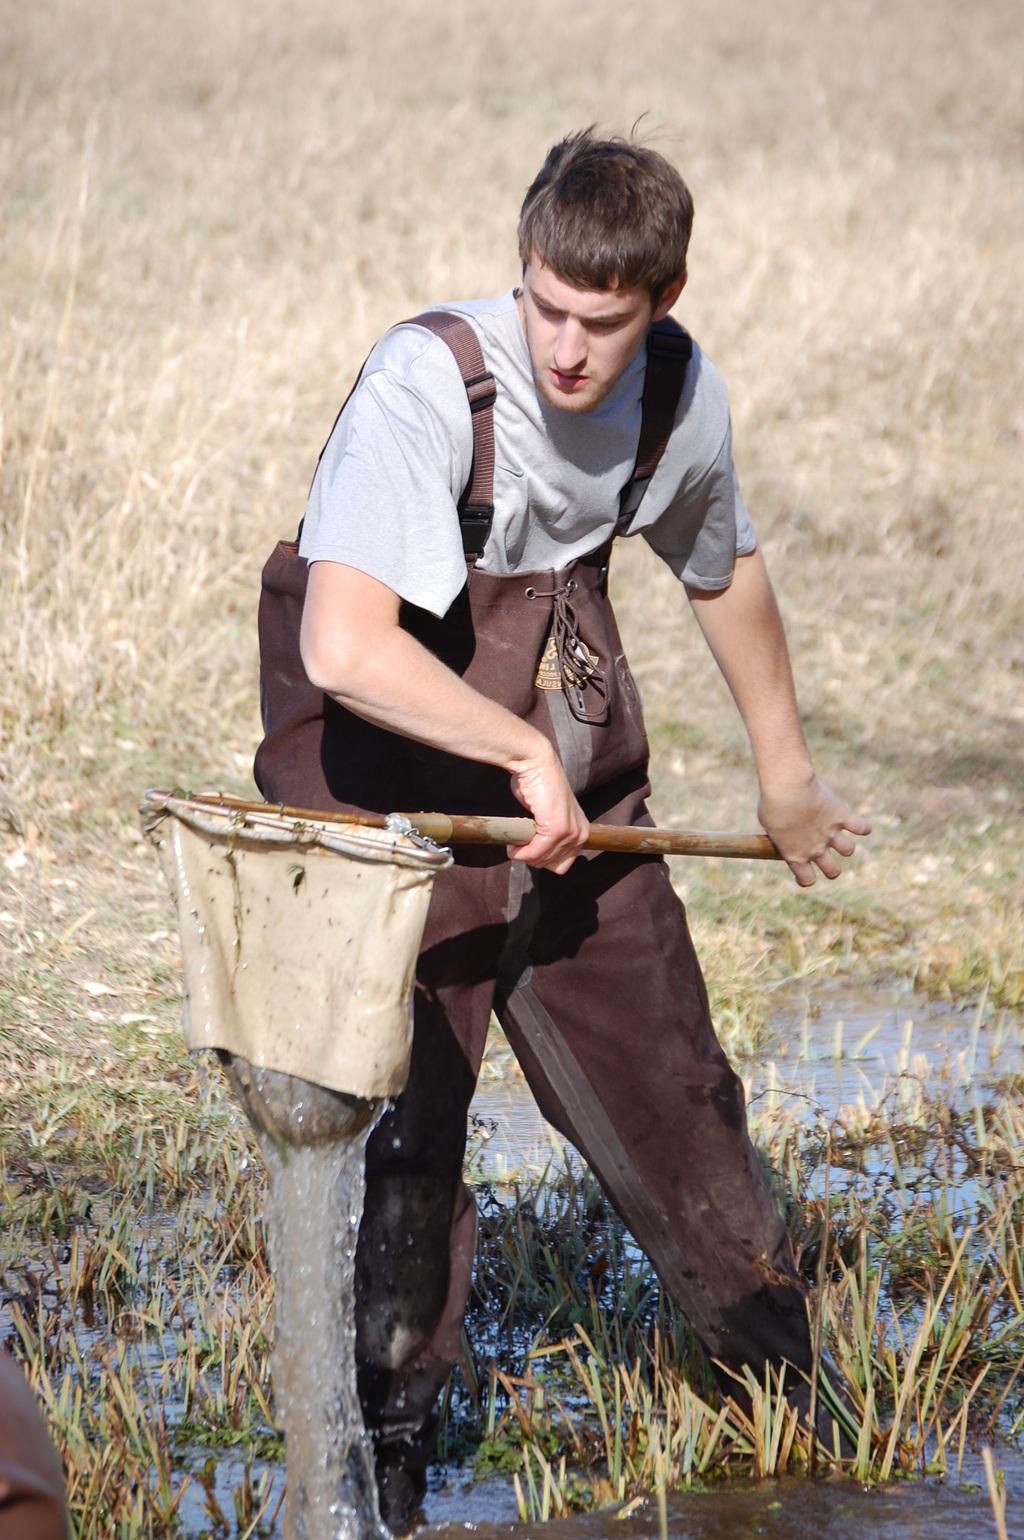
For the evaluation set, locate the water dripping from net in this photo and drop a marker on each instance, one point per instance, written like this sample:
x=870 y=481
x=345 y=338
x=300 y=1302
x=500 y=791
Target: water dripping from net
x=314 y=1208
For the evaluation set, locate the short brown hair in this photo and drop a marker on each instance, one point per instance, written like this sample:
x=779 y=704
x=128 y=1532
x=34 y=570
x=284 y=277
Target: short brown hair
x=607 y=213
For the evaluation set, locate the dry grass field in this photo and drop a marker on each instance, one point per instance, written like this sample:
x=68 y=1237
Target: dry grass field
x=209 y=214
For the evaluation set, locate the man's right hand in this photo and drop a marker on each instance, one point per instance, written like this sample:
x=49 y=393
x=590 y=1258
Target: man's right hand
x=562 y=827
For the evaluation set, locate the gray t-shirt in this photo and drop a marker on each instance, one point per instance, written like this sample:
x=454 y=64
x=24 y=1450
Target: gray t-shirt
x=384 y=497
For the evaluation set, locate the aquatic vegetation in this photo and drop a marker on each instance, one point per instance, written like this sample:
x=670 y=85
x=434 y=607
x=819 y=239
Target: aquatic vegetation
x=910 y=1237
x=138 y=1296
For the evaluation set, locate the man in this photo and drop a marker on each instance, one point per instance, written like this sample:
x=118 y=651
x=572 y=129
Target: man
x=425 y=683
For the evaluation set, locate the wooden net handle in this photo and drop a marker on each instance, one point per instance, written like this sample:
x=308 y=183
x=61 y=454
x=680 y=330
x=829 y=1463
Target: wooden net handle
x=474 y=829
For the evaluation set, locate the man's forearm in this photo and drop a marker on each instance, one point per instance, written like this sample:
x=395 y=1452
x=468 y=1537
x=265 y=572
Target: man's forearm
x=743 y=628
x=809 y=824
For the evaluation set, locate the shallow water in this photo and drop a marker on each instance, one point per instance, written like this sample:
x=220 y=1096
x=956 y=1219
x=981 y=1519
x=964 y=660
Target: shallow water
x=835 y=1057
x=778 y=1509
x=840 y=1052
x=834 y=1054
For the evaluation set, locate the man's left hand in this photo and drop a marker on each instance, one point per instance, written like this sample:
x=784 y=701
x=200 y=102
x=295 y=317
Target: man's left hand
x=810 y=827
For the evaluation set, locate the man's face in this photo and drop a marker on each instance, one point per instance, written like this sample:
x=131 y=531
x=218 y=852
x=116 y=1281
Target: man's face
x=581 y=340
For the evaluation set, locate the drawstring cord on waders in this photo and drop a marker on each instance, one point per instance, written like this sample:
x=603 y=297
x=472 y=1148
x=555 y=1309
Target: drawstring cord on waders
x=576 y=663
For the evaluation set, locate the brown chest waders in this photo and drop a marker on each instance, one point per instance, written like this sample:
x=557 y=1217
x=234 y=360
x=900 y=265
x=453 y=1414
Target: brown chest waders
x=592 y=975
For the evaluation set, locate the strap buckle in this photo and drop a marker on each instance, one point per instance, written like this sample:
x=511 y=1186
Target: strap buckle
x=475 y=525
x=481 y=391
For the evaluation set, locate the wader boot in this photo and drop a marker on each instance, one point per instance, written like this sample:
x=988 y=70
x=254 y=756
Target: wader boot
x=593 y=975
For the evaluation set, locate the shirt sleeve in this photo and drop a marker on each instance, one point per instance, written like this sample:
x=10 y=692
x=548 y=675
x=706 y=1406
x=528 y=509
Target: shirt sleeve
x=706 y=525
x=384 y=498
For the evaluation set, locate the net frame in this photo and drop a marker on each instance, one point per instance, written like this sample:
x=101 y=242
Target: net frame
x=299 y=939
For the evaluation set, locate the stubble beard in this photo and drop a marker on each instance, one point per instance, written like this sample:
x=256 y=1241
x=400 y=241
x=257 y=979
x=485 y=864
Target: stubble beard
x=578 y=402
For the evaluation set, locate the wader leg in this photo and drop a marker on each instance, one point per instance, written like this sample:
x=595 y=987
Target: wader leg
x=613 y=1031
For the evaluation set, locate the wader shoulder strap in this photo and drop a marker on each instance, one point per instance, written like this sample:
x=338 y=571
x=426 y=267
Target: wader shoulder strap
x=669 y=350
x=476 y=505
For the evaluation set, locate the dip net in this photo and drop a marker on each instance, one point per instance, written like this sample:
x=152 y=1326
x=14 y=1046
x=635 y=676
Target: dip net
x=298 y=937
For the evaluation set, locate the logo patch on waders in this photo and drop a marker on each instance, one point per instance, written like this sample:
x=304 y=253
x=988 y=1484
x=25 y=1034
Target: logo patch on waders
x=549 y=674
x=549 y=669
